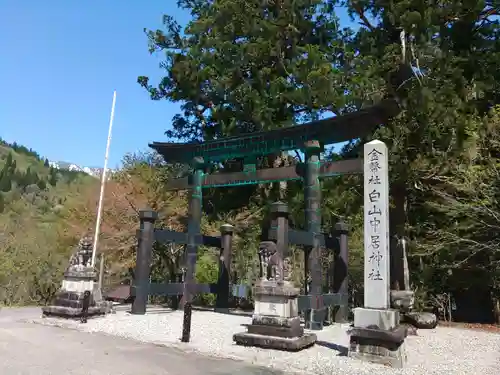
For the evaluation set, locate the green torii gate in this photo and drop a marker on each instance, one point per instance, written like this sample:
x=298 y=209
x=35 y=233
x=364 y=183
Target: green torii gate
x=310 y=138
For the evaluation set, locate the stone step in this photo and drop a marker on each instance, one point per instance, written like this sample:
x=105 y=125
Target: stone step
x=274 y=342
x=278 y=331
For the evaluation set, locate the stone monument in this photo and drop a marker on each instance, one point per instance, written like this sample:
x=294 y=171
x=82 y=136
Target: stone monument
x=377 y=335
x=80 y=277
x=276 y=321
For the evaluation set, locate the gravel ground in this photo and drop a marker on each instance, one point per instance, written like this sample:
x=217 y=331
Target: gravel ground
x=440 y=351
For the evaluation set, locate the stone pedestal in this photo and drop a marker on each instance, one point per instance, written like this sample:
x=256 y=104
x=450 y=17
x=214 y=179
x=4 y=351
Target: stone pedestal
x=68 y=302
x=275 y=323
x=378 y=337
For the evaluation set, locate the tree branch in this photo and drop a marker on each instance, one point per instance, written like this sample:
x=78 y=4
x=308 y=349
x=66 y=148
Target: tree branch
x=361 y=14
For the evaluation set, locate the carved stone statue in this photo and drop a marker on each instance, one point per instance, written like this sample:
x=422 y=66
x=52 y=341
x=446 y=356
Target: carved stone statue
x=79 y=295
x=82 y=256
x=271 y=264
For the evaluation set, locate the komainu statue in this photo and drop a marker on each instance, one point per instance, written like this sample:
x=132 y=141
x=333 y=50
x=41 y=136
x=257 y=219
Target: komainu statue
x=80 y=295
x=271 y=263
x=82 y=256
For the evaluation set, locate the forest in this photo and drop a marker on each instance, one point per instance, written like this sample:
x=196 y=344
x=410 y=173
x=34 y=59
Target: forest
x=243 y=66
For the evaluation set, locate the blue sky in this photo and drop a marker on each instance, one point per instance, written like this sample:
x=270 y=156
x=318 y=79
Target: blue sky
x=61 y=61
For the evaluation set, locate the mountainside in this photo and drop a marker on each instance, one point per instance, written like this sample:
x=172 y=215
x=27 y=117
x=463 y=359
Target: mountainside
x=37 y=229
x=45 y=208
x=44 y=211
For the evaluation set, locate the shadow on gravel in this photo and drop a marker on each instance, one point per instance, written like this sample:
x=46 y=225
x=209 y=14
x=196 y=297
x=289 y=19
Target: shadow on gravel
x=258 y=371
x=248 y=371
x=342 y=350
x=156 y=311
x=160 y=309
x=247 y=314
x=235 y=313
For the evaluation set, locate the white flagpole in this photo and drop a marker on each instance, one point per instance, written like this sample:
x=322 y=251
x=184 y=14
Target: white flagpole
x=103 y=182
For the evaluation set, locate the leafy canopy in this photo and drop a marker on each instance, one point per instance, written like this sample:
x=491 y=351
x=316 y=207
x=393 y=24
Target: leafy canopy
x=246 y=65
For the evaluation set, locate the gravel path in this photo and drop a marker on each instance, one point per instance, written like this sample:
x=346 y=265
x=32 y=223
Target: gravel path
x=438 y=351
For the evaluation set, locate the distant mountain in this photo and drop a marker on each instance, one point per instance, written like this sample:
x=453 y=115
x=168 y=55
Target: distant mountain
x=91 y=171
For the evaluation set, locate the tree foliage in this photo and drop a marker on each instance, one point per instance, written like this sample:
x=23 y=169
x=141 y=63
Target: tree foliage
x=37 y=229
x=438 y=143
x=240 y=66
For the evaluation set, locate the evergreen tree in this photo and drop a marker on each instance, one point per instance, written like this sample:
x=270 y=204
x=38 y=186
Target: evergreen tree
x=41 y=184
x=9 y=160
x=454 y=50
x=5 y=181
x=18 y=177
x=27 y=178
x=12 y=167
x=52 y=176
x=246 y=65
x=46 y=163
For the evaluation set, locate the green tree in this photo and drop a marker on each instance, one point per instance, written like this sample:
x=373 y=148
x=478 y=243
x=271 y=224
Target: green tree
x=52 y=176
x=41 y=184
x=453 y=48
x=29 y=178
x=9 y=160
x=246 y=65
x=5 y=179
x=9 y=168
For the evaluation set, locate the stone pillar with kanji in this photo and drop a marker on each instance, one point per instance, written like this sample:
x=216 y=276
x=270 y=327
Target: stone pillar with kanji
x=377 y=335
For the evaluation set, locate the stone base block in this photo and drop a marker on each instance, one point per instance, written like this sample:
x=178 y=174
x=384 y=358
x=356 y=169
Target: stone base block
x=277 y=331
x=69 y=304
x=78 y=286
x=276 y=321
x=73 y=313
x=71 y=299
x=378 y=337
x=273 y=298
x=378 y=352
x=273 y=342
x=275 y=288
x=376 y=318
